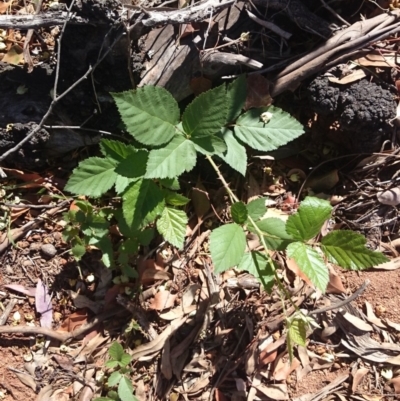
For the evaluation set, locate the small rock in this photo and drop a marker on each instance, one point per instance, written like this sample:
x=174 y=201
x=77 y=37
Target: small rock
x=57 y=236
x=35 y=246
x=48 y=250
x=27 y=263
x=336 y=366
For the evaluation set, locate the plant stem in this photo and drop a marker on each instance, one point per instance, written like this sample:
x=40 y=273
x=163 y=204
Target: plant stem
x=270 y=263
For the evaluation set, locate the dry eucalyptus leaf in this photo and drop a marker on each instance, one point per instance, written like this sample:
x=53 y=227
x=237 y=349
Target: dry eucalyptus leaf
x=372 y=317
x=357 y=378
x=357 y=322
x=335 y=285
x=389 y=197
x=353 y=77
x=394 y=264
x=392 y=325
x=378 y=60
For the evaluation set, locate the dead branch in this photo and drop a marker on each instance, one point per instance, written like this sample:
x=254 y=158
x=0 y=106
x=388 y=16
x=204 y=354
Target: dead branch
x=196 y=13
x=33 y=21
x=345 y=43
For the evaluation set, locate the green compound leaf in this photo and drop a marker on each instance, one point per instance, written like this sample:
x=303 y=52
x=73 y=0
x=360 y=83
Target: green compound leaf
x=275 y=235
x=172 y=226
x=125 y=390
x=172 y=160
x=310 y=263
x=93 y=177
x=206 y=114
x=115 y=150
x=142 y=203
x=239 y=212
x=236 y=156
x=227 y=246
x=250 y=261
x=114 y=379
x=347 y=249
x=134 y=165
x=210 y=145
x=256 y=208
x=236 y=97
x=297 y=330
x=116 y=351
x=281 y=129
x=150 y=114
x=306 y=223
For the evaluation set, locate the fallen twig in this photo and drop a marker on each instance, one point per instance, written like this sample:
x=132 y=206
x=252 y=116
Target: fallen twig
x=63 y=337
x=16 y=233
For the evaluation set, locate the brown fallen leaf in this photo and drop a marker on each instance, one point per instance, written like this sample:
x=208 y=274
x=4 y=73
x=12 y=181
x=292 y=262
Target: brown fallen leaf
x=396 y=384
x=335 y=285
x=153 y=347
x=281 y=373
x=14 y=56
x=378 y=60
x=257 y=92
x=162 y=300
x=4 y=6
x=357 y=378
x=356 y=75
x=274 y=391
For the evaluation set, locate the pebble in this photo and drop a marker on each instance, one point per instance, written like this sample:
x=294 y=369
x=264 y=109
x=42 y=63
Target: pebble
x=48 y=250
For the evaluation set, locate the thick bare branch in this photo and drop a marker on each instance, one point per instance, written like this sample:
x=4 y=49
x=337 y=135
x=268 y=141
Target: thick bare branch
x=33 y=21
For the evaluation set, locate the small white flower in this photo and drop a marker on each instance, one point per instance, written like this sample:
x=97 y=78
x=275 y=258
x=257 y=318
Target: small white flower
x=266 y=116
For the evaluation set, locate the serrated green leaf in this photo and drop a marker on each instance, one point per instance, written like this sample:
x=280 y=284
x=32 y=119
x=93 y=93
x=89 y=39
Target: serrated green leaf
x=253 y=262
x=149 y=113
x=273 y=230
x=122 y=183
x=112 y=364
x=171 y=183
x=236 y=97
x=93 y=177
x=239 y=212
x=206 y=114
x=142 y=202
x=78 y=251
x=307 y=222
x=172 y=226
x=236 y=156
x=125 y=360
x=348 y=249
x=115 y=150
x=310 y=263
x=116 y=351
x=125 y=390
x=106 y=248
x=210 y=145
x=281 y=129
x=113 y=395
x=146 y=236
x=298 y=332
x=134 y=165
x=172 y=160
x=114 y=379
x=227 y=245
x=256 y=208
x=175 y=199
